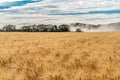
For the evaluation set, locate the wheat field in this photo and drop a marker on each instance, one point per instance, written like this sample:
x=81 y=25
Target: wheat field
x=59 y=56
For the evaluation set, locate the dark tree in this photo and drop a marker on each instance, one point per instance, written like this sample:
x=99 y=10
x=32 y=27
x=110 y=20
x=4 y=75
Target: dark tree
x=26 y=28
x=64 y=28
x=9 y=28
x=53 y=28
x=78 y=30
x=34 y=28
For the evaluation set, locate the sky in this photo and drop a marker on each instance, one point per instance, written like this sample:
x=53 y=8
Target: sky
x=25 y=12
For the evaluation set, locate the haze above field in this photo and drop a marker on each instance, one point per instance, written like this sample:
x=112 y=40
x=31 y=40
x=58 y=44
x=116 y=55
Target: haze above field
x=22 y=12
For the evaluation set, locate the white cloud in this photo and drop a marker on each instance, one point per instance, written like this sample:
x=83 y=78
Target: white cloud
x=38 y=12
x=1 y=1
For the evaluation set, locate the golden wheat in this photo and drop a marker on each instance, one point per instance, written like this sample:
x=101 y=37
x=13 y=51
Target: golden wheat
x=60 y=56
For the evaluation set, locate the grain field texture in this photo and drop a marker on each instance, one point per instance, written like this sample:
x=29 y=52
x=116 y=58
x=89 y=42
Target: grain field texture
x=60 y=56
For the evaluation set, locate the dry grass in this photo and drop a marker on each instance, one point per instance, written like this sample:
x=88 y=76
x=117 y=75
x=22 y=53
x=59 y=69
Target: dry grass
x=60 y=56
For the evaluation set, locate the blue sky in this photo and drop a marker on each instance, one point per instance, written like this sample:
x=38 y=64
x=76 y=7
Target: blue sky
x=21 y=12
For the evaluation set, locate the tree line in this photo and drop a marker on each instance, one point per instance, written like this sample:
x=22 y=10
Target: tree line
x=47 y=27
x=37 y=28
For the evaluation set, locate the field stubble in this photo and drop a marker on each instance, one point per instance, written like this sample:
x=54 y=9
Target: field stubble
x=60 y=56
